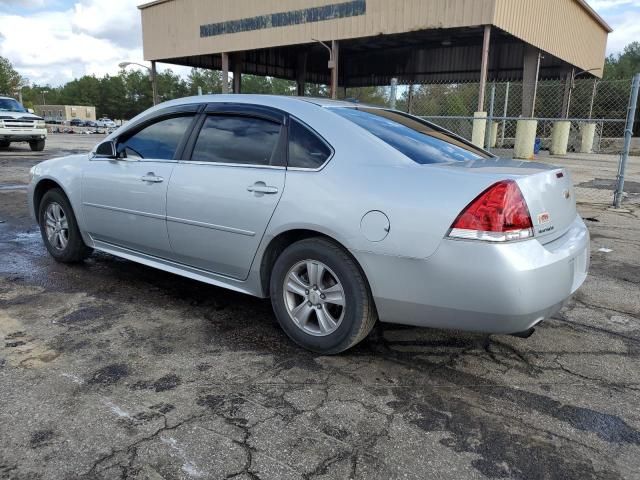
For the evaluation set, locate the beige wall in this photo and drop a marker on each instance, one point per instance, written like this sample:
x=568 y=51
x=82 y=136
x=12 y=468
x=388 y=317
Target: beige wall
x=563 y=28
x=172 y=28
x=66 y=112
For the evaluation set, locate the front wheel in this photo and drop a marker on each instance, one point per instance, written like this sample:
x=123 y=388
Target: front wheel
x=59 y=228
x=320 y=297
x=37 y=145
x=4 y=144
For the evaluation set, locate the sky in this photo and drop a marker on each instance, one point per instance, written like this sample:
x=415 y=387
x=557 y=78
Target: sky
x=54 y=41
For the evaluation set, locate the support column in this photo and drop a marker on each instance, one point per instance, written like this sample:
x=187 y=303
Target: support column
x=588 y=131
x=525 y=139
x=530 y=69
x=560 y=137
x=479 y=129
x=237 y=72
x=225 y=72
x=301 y=73
x=333 y=65
x=480 y=117
x=484 y=66
x=154 y=82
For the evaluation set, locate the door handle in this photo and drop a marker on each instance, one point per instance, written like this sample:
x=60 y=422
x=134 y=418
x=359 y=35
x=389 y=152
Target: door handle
x=262 y=188
x=151 y=178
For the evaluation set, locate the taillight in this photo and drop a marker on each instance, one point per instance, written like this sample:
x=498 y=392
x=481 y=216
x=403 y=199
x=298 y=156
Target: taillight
x=499 y=214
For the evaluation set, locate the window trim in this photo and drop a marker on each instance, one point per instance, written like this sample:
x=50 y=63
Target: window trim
x=293 y=118
x=238 y=110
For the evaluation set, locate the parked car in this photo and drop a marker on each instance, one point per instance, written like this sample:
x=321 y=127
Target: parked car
x=76 y=122
x=105 y=122
x=343 y=214
x=90 y=123
x=17 y=124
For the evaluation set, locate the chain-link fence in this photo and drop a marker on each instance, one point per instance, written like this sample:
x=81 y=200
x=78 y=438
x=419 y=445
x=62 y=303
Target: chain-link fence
x=596 y=109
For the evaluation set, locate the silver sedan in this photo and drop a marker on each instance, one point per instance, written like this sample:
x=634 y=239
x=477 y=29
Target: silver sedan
x=342 y=214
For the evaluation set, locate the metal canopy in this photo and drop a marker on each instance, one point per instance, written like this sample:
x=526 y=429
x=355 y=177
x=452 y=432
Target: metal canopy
x=429 y=56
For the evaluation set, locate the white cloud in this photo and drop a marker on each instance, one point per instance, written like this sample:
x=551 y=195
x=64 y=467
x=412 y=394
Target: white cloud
x=54 y=41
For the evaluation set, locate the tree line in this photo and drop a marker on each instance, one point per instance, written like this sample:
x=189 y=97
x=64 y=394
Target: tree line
x=128 y=93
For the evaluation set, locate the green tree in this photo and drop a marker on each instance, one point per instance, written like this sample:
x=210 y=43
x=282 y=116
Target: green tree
x=10 y=79
x=210 y=81
x=624 y=65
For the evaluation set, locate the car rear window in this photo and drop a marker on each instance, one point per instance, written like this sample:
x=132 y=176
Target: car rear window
x=417 y=140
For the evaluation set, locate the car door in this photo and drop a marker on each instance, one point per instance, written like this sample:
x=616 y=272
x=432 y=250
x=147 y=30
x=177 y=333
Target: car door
x=220 y=201
x=124 y=198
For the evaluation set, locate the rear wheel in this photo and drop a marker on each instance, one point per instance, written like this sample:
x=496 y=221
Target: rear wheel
x=37 y=145
x=59 y=228
x=320 y=297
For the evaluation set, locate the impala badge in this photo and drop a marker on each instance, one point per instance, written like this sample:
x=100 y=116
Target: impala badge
x=566 y=194
x=543 y=218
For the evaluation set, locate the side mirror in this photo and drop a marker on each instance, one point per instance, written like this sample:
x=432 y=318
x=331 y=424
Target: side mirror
x=106 y=150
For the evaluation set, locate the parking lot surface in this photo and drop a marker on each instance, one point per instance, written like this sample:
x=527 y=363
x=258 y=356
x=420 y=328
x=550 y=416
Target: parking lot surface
x=110 y=369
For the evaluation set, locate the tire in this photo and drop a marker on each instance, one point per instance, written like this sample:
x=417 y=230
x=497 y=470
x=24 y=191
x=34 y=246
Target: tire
x=74 y=249
x=37 y=145
x=348 y=324
x=4 y=144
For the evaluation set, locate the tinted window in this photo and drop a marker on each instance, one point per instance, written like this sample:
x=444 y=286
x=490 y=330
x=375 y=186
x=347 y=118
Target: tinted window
x=10 y=105
x=157 y=141
x=306 y=150
x=234 y=139
x=416 y=140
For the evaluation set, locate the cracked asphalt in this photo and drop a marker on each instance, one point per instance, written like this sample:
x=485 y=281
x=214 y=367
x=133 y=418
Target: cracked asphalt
x=114 y=370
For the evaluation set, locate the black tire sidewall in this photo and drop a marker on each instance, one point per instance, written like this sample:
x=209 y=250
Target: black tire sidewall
x=347 y=272
x=37 y=145
x=75 y=248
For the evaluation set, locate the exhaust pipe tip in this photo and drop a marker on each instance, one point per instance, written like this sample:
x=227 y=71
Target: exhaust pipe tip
x=525 y=334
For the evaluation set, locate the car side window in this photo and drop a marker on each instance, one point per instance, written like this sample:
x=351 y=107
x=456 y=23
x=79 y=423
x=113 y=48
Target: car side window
x=237 y=139
x=306 y=149
x=158 y=141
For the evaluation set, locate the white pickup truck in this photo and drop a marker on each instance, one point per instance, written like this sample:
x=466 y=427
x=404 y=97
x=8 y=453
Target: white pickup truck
x=19 y=125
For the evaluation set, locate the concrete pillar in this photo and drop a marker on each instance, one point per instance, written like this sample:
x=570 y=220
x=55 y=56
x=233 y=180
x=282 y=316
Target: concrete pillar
x=530 y=69
x=225 y=72
x=525 y=138
x=333 y=65
x=588 y=131
x=154 y=82
x=238 y=58
x=560 y=137
x=301 y=73
x=484 y=66
x=493 y=138
x=479 y=128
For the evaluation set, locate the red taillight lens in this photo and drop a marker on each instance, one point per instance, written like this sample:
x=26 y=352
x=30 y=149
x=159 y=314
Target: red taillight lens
x=498 y=214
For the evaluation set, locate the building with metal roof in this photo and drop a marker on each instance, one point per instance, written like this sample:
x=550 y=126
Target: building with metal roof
x=368 y=42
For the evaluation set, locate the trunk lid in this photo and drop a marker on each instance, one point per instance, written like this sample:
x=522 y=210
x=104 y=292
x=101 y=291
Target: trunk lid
x=547 y=189
x=551 y=201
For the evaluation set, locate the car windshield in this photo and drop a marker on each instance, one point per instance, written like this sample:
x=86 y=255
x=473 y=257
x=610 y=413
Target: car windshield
x=421 y=142
x=10 y=105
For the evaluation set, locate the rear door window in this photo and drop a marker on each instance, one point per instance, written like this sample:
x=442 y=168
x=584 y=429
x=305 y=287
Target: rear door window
x=420 y=142
x=306 y=149
x=237 y=139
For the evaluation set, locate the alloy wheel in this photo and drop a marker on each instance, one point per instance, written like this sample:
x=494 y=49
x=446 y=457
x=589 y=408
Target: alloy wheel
x=314 y=297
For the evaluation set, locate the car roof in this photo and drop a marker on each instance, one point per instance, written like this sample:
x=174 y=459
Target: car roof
x=278 y=101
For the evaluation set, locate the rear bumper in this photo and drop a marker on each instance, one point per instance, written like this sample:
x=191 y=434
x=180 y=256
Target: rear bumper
x=476 y=286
